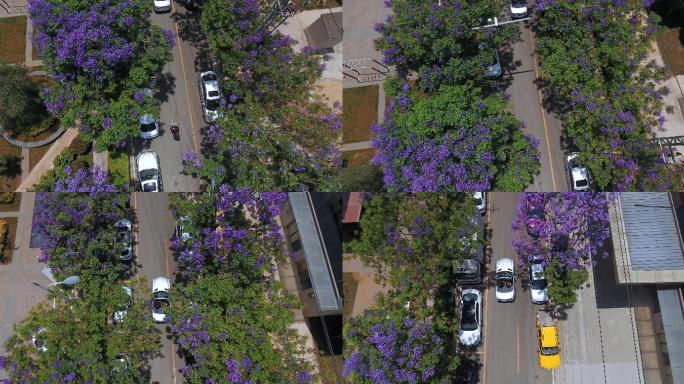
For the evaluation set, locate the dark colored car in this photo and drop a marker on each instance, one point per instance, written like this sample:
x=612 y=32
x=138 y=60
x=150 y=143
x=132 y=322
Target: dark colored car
x=467 y=372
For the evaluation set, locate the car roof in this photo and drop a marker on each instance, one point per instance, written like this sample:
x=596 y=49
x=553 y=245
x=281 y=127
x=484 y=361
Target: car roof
x=147 y=160
x=146 y=119
x=537 y=267
x=579 y=173
x=504 y=264
x=549 y=336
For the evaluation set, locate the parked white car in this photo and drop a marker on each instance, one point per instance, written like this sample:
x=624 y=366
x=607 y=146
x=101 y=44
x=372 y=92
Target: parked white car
x=123 y=311
x=38 y=339
x=149 y=127
x=480 y=201
x=182 y=228
x=149 y=172
x=210 y=94
x=470 y=330
x=162 y=5
x=538 y=284
x=505 y=280
x=518 y=9
x=579 y=175
x=160 y=298
x=124 y=239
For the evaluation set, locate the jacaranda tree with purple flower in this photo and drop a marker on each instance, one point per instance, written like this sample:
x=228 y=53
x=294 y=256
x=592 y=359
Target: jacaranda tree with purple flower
x=231 y=317
x=565 y=231
x=291 y=149
x=383 y=350
x=435 y=39
x=455 y=140
x=80 y=339
x=99 y=53
x=594 y=56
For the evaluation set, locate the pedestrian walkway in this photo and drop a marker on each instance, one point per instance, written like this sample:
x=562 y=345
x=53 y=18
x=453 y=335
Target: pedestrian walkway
x=12 y=8
x=16 y=276
x=47 y=162
x=101 y=160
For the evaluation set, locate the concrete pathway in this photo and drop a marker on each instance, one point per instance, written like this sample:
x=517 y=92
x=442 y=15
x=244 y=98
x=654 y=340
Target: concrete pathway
x=101 y=159
x=25 y=163
x=46 y=163
x=9 y=214
x=18 y=274
x=356 y=146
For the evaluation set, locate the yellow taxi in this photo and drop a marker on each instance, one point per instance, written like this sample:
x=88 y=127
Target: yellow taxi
x=547 y=337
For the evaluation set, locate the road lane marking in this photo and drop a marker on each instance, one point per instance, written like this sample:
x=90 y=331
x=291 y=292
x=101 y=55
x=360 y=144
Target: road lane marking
x=135 y=238
x=484 y=352
x=168 y=273
x=517 y=333
x=541 y=109
x=185 y=80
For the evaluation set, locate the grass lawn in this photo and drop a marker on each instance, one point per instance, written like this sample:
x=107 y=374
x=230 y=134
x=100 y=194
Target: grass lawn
x=11 y=237
x=117 y=167
x=327 y=365
x=10 y=182
x=35 y=154
x=359 y=113
x=349 y=288
x=358 y=157
x=13 y=206
x=672 y=50
x=13 y=39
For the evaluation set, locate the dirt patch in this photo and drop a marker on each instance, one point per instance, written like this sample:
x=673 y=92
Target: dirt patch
x=35 y=154
x=350 y=286
x=360 y=112
x=13 y=206
x=330 y=91
x=9 y=181
x=358 y=157
x=317 y=4
x=13 y=39
x=671 y=48
x=6 y=258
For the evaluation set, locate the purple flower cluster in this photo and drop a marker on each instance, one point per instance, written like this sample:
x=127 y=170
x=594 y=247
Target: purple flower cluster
x=391 y=353
x=83 y=180
x=570 y=226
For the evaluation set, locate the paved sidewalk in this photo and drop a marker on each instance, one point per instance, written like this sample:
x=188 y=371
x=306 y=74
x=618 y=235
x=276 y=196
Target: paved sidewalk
x=101 y=159
x=356 y=146
x=598 y=342
x=18 y=274
x=46 y=163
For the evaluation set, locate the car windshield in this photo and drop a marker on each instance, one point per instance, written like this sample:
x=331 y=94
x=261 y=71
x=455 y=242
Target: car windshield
x=478 y=201
x=468 y=313
x=539 y=284
x=148 y=127
x=148 y=174
x=549 y=351
x=159 y=305
x=582 y=183
x=212 y=105
x=161 y=295
x=535 y=213
x=149 y=187
x=209 y=77
x=519 y=3
x=213 y=94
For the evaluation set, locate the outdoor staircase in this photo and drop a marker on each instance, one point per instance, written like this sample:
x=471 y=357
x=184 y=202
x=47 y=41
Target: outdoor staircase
x=11 y=9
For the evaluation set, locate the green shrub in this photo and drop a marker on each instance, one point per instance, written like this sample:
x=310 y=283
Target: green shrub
x=118 y=169
x=6 y=197
x=4 y=231
x=80 y=146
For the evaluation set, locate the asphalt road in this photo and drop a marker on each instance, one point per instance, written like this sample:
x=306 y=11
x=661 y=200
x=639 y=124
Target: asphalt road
x=509 y=353
x=522 y=72
x=177 y=90
x=155 y=226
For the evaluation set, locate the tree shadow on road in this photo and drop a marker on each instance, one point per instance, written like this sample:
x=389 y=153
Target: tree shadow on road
x=164 y=85
x=189 y=30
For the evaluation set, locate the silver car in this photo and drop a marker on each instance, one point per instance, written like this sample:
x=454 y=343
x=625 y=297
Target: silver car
x=493 y=66
x=124 y=239
x=210 y=94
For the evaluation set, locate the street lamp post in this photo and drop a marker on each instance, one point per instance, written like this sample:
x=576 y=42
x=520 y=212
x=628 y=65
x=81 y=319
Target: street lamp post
x=71 y=280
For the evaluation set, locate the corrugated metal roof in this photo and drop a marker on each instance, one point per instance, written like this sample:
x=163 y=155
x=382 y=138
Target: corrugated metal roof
x=314 y=252
x=652 y=231
x=673 y=324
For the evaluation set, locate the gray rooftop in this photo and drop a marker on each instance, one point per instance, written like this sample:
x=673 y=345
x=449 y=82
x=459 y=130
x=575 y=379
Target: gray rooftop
x=673 y=324
x=652 y=232
x=315 y=252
